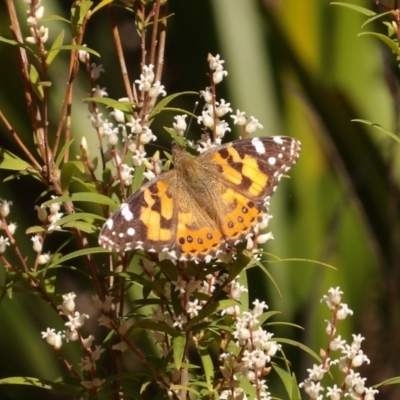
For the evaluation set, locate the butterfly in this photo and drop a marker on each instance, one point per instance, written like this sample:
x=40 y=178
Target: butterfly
x=205 y=204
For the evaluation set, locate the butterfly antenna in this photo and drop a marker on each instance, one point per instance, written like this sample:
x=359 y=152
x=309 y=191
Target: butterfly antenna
x=196 y=104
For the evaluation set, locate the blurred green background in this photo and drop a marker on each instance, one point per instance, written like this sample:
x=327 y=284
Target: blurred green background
x=300 y=68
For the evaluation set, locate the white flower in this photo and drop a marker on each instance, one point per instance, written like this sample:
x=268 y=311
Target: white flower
x=52 y=338
x=88 y=341
x=12 y=227
x=96 y=70
x=37 y=243
x=206 y=119
x=337 y=343
x=95 y=383
x=5 y=207
x=207 y=95
x=222 y=108
x=219 y=74
x=83 y=55
x=44 y=258
x=215 y=62
x=54 y=207
x=193 y=307
x=157 y=89
x=68 y=305
x=333 y=298
x=253 y=125
x=180 y=124
x=126 y=173
x=343 y=312
x=239 y=118
x=99 y=91
x=334 y=393
x=96 y=353
x=41 y=212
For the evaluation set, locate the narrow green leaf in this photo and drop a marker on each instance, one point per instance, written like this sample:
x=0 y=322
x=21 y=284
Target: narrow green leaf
x=178 y=344
x=79 y=216
x=35 y=229
x=389 y=42
x=34 y=79
x=125 y=106
x=311 y=352
x=93 y=198
x=58 y=385
x=157 y=327
x=82 y=226
x=375 y=17
x=286 y=379
x=51 y=55
x=208 y=365
x=67 y=172
x=211 y=309
x=76 y=47
x=361 y=10
x=10 y=161
x=391 y=134
x=79 y=253
x=62 y=152
x=162 y=104
x=102 y=4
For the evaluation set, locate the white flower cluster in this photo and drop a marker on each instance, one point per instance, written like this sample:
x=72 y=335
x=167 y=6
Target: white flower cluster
x=133 y=130
x=213 y=110
x=35 y=13
x=352 y=357
x=75 y=321
x=10 y=228
x=50 y=215
x=255 y=349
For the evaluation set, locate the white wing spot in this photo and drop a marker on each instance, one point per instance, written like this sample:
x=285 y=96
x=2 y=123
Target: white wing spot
x=272 y=160
x=280 y=155
x=130 y=231
x=121 y=235
x=277 y=139
x=110 y=223
x=258 y=145
x=126 y=212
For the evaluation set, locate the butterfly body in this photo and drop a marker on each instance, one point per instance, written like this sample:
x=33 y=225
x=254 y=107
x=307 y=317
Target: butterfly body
x=206 y=204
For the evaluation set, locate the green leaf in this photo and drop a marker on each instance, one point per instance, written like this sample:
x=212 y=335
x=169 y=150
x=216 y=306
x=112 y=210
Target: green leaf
x=160 y=106
x=10 y=161
x=51 y=55
x=82 y=226
x=35 y=81
x=210 y=309
x=84 y=196
x=76 y=47
x=78 y=13
x=157 y=327
x=67 y=172
x=361 y=10
x=311 y=352
x=79 y=253
x=389 y=42
x=178 y=344
x=35 y=229
x=208 y=365
x=102 y=4
x=287 y=380
x=58 y=385
x=94 y=198
x=78 y=216
x=125 y=106
x=375 y=17
x=391 y=134
x=62 y=152
x=391 y=381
